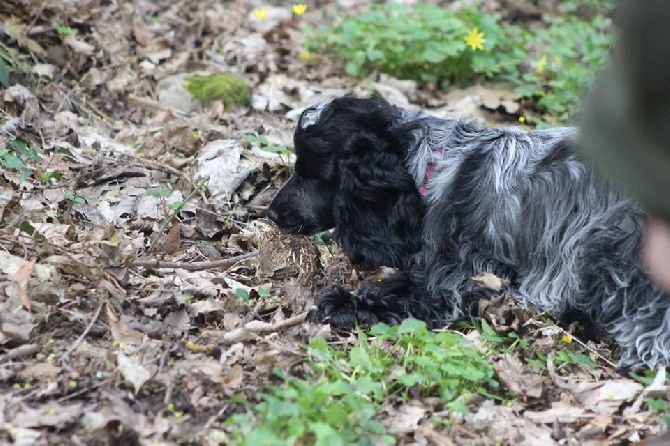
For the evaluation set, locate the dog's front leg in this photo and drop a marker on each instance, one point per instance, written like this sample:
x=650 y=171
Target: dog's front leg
x=390 y=301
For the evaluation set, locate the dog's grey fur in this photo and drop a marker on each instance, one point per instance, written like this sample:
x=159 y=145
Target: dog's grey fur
x=572 y=239
x=516 y=203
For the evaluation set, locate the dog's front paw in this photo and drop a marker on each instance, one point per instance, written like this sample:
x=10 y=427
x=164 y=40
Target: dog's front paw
x=342 y=309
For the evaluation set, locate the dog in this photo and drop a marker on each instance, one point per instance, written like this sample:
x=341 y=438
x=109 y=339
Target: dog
x=443 y=200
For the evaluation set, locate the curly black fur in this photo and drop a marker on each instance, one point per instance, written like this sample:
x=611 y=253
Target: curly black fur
x=518 y=204
x=349 y=175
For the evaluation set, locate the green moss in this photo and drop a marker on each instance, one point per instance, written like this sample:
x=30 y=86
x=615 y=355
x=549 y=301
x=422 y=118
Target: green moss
x=226 y=87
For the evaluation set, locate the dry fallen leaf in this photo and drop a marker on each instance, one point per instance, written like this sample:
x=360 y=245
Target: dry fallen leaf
x=435 y=438
x=51 y=414
x=122 y=333
x=234 y=377
x=132 y=370
x=406 y=419
x=503 y=425
x=142 y=34
x=489 y=281
x=79 y=46
x=172 y=241
x=177 y=323
x=512 y=374
x=39 y=370
x=25 y=100
x=21 y=278
x=607 y=397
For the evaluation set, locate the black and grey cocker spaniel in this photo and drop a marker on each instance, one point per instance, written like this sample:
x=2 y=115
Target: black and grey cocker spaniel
x=444 y=200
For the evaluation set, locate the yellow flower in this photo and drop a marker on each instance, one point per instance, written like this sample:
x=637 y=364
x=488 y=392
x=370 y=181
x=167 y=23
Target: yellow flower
x=541 y=64
x=260 y=13
x=522 y=119
x=306 y=56
x=299 y=8
x=566 y=339
x=475 y=39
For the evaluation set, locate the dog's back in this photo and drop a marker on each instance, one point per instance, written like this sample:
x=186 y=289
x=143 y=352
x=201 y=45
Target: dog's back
x=524 y=205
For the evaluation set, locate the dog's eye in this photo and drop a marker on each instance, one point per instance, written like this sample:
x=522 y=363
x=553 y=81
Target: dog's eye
x=311 y=115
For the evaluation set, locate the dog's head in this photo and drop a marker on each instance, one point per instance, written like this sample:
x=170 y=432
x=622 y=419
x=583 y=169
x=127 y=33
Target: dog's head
x=349 y=175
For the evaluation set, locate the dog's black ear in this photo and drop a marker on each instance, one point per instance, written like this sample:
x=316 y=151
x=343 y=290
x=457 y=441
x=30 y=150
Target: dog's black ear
x=378 y=210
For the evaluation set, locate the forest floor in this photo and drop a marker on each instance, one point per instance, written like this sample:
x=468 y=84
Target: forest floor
x=104 y=157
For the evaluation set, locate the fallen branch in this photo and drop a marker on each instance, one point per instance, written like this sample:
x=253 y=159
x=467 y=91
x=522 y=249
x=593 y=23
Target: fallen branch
x=193 y=266
x=253 y=329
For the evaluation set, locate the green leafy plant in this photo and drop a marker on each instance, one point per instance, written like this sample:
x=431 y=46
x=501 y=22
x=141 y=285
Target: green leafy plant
x=17 y=155
x=338 y=401
x=65 y=31
x=424 y=42
x=322 y=413
x=442 y=364
x=656 y=405
x=14 y=59
x=429 y=43
x=159 y=192
x=175 y=413
x=283 y=152
x=571 y=358
x=76 y=199
x=567 y=354
x=659 y=406
x=588 y=8
x=563 y=72
x=164 y=193
x=26 y=227
x=4 y=73
x=245 y=296
x=70 y=200
x=20 y=156
x=45 y=177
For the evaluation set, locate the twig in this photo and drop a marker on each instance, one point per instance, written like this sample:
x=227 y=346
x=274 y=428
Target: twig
x=21 y=351
x=155 y=164
x=36 y=17
x=580 y=342
x=81 y=337
x=193 y=266
x=212 y=419
x=253 y=329
x=162 y=166
x=658 y=387
x=590 y=349
x=88 y=388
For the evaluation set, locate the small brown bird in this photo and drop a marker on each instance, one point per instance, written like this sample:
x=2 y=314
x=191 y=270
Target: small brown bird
x=281 y=256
